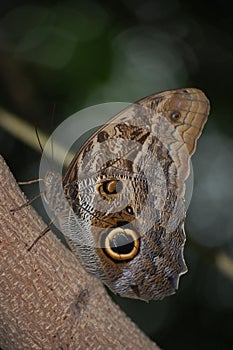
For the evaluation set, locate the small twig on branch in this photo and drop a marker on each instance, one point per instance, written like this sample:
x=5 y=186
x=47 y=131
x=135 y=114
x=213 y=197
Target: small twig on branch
x=47 y=300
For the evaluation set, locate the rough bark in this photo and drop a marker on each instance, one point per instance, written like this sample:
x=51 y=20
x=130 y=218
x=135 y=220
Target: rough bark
x=47 y=300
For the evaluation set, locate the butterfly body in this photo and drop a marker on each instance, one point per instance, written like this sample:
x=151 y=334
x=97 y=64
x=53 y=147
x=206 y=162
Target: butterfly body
x=125 y=192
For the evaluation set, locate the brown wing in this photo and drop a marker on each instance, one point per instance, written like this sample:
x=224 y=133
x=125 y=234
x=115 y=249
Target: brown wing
x=185 y=109
x=143 y=151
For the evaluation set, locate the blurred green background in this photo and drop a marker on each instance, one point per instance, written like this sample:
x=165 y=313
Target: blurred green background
x=79 y=53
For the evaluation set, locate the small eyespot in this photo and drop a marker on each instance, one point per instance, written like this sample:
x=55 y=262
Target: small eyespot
x=121 y=244
x=129 y=209
x=109 y=187
x=175 y=116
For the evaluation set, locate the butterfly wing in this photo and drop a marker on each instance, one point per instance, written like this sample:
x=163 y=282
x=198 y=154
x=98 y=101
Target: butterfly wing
x=126 y=190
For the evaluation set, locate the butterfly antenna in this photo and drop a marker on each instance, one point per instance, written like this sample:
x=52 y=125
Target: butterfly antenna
x=39 y=142
x=38 y=137
x=52 y=128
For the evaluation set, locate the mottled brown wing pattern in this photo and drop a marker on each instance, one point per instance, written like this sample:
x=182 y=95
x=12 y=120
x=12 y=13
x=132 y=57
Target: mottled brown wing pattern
x=126 y=190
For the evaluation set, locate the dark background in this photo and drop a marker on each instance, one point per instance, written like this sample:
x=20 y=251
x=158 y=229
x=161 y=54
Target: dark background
x=80 y=53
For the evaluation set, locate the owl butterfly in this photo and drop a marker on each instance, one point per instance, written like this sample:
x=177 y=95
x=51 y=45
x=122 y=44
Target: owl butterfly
x=125 y=192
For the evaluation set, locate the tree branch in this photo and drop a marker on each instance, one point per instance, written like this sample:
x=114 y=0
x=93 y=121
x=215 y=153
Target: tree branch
x=47 y=299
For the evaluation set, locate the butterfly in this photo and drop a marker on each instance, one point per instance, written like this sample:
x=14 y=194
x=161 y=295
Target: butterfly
x=125 y=194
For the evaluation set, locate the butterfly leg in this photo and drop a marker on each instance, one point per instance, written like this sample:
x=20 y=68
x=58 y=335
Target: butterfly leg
x=26 y=204
x=41 y=235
